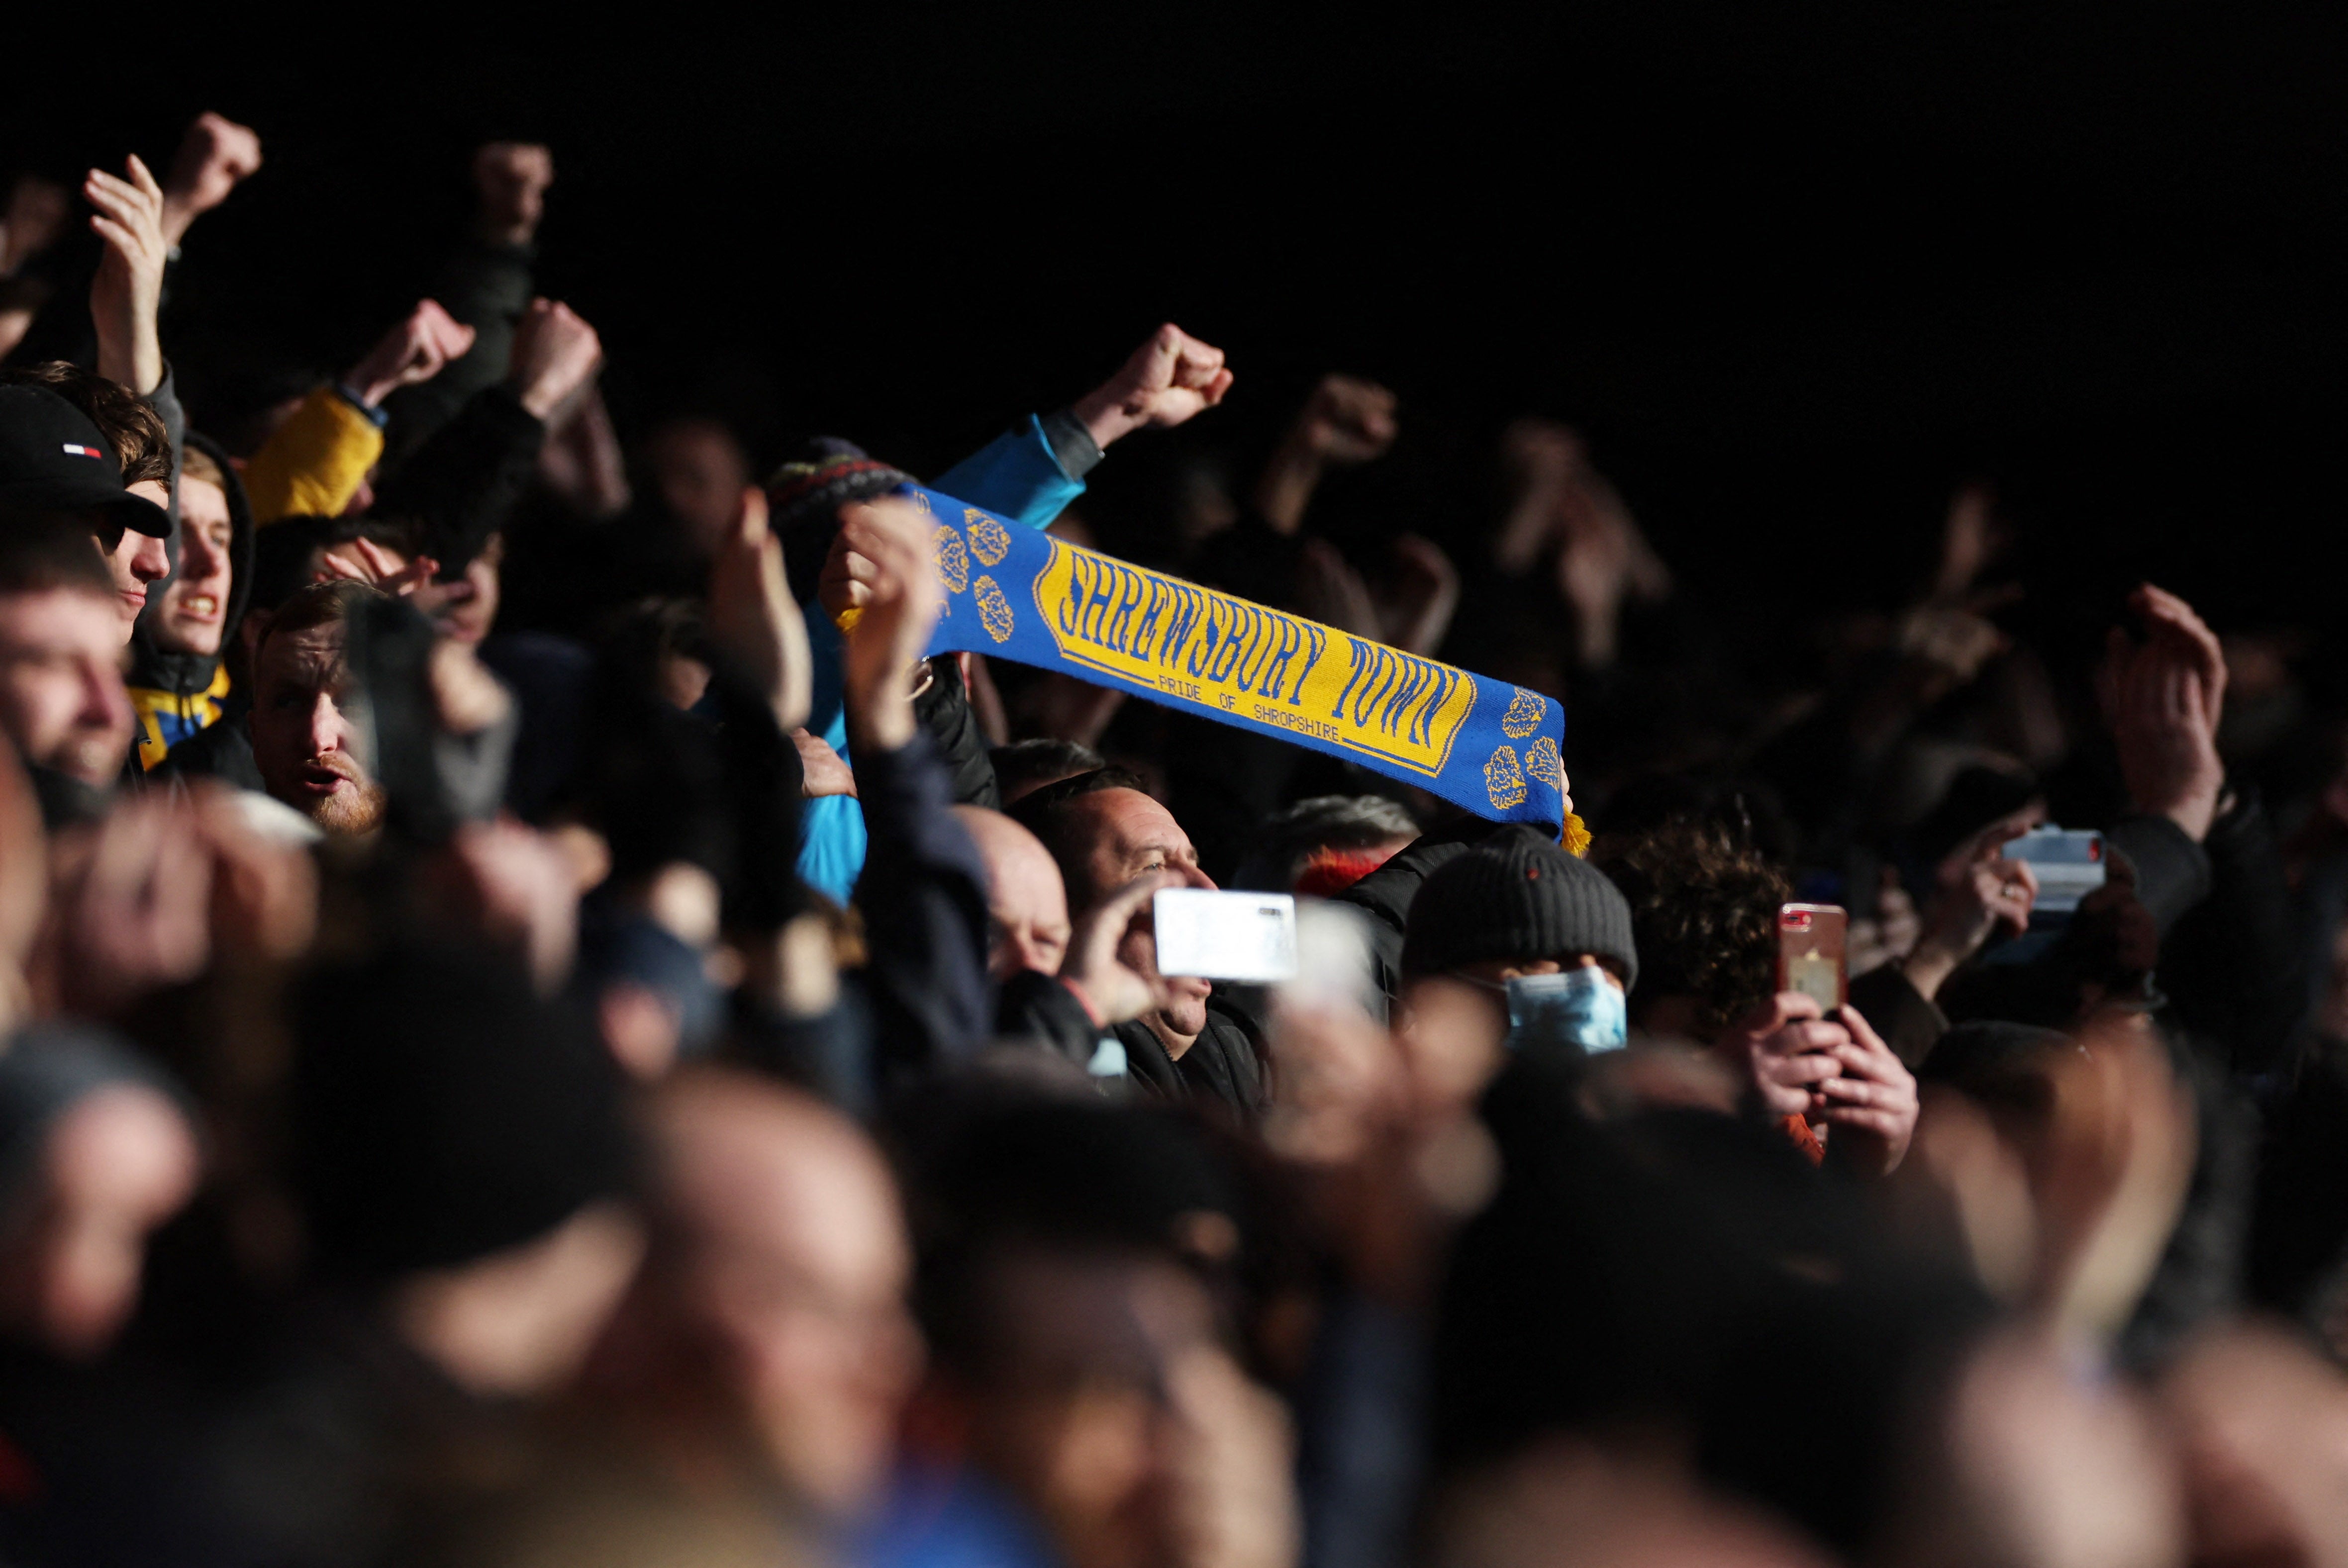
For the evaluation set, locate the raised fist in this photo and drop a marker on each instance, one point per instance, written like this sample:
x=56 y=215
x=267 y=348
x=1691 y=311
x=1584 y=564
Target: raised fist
x=1343 y=421
x=215 y=156
x=1347 y=421
x=417 y=349
x=511 y=177
x=555 y=352
x=1169 y=379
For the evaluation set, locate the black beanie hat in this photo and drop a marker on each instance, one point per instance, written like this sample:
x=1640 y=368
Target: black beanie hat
x=443 y=1112
x=1515 y=898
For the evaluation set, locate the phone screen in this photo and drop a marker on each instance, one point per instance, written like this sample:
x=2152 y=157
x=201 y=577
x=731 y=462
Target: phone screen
x=1221 y=936
x=1811 y=952
x=2068 y=863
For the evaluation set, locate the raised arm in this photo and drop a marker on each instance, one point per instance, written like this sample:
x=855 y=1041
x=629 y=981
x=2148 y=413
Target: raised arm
x=129 y=287
x=215 y=157
x=1032 y=471
x=923 y=888
x=464 y=479
x=1346 y=421
x=755 y=620
x=1167 y=381
x=313 y=463
x=2162 y=698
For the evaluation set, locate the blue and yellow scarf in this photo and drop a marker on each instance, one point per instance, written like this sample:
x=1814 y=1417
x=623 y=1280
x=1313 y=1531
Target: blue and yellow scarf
x=1013 y=592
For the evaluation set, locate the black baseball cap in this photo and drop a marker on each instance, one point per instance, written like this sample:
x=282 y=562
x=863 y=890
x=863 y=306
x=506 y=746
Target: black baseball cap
x=53 y=459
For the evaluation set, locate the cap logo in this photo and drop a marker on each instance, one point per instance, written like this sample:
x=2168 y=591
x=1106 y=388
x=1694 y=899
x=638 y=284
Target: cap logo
x=74 y=451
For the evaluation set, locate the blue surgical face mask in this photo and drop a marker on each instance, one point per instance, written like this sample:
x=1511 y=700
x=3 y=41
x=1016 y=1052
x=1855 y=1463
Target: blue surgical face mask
x=1577 y=1006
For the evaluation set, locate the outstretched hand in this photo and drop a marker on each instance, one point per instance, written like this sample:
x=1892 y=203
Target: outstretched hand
x=365 y=560
x=1971 y=539
x=215 y=157
x=1171 y=378
x=1332 y=592
x=1542 y=459
x=753 y=616
x=129 y=288
x=416 y=349
x=2162 y=699
x=902 y=600
x=466 y=699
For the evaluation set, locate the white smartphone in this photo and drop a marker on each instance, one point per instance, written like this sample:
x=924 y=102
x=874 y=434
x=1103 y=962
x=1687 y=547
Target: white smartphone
x=2069 y=865
x=1220 y=936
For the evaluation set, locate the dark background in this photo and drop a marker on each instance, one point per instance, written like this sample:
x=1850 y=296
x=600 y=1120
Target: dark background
x=1794 y=272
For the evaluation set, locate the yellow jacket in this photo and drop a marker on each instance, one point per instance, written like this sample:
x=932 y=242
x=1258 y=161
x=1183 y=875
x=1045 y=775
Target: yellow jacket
x=312 y=465
x=167 y=718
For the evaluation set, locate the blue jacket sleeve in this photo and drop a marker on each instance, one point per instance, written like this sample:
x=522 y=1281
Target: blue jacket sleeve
x=1020 y=474
x=831 y=829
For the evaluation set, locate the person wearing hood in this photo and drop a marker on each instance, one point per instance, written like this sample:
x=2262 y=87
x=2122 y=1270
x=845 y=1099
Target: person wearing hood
x=178 y=680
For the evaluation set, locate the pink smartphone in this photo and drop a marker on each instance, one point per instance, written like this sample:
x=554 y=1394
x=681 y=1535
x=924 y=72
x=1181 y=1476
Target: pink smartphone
x=1811 y=950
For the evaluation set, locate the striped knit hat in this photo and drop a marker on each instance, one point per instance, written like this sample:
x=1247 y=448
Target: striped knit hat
x=805 y=495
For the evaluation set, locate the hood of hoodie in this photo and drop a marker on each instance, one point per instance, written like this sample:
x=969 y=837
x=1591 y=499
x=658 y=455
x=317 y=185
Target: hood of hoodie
x=188 y=674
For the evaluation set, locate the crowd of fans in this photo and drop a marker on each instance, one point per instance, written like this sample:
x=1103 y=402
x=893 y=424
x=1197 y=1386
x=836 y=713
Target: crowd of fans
x=541 y=1029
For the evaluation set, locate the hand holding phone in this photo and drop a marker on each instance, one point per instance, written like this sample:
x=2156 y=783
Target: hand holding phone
x=1094 y=961
x=1981 y=891
x=1788 y=1046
